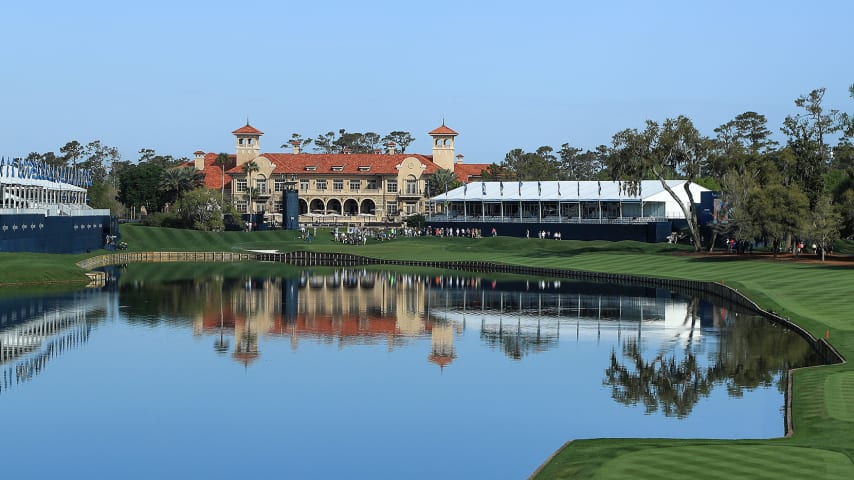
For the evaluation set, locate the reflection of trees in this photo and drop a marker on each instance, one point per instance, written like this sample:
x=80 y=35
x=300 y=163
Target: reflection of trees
x=517 y=343
x=221 y=344
x=672 y=386
x=752 y=353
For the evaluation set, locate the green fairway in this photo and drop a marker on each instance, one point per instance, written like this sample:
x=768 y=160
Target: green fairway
x=814 y=295
x=21 y=269
x=725 y=462
x=839 y=390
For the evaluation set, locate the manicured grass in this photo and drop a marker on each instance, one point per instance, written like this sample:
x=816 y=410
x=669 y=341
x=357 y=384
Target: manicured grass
x=840 y=391
x=728 y=461
x=816 y=296
x=22 y=269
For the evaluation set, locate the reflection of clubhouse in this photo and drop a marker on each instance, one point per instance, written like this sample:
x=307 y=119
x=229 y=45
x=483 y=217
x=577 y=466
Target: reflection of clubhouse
x=344 y=308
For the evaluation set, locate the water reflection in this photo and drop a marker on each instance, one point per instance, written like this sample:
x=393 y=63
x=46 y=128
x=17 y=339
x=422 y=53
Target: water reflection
x=36 y=330
x=360 y=360
x=748 y=352
x=668 y=351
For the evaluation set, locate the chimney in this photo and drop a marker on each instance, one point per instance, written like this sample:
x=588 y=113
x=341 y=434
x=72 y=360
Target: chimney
x=459 y=158
x=346 y=150
x=391 y=146
x=296 y=145
x=199 y=160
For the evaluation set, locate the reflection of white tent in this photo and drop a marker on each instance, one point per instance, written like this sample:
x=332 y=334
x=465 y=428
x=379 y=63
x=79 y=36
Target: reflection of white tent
x=661 y=320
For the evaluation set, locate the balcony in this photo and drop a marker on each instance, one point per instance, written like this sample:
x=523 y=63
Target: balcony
x=410 y=193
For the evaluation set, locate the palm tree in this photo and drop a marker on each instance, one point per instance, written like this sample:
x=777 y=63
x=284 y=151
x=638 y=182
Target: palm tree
x=174 y=182
x=249 y=168
x=170 y=184
x=443 y=180
x=222 y=160
x=191 y=179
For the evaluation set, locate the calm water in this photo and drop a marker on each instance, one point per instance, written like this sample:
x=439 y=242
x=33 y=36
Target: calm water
x=362 y=374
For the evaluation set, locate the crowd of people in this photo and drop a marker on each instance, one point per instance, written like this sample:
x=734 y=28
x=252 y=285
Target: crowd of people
x=455 y=232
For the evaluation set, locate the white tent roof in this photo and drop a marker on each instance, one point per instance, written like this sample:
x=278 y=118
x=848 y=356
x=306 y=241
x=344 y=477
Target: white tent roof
x=9 y=175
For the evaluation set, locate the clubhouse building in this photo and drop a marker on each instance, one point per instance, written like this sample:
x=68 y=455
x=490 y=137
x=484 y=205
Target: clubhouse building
x=341 y=188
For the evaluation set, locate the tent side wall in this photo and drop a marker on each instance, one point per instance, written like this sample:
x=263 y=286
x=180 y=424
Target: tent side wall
x=641 y=232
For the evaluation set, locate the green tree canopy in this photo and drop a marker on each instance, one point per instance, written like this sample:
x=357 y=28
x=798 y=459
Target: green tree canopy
x=442 y=181
x=200 y=209
x=139 y=186
x=673 y=149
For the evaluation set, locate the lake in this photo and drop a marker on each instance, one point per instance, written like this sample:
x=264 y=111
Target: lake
x=219 y=371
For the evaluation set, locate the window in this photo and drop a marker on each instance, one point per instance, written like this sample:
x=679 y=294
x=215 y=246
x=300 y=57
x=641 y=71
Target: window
x=355 y=185
x=337 y=185
x=391 y=208
x=391 y=186
x=364 y=168
x=277 y=206
x=371 y=184
x=240 y=185
x=410 y=208
x=310 y=168
x=242 y=206
x=279 y=185
x=261 y=185
x=411 y=186
x=303 y=185
x=337 y=168
x=320 y=184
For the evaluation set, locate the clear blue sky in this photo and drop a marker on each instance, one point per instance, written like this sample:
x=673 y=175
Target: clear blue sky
x=179 y=76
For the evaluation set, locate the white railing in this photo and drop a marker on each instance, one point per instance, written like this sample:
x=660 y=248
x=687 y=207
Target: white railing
x=548 y=219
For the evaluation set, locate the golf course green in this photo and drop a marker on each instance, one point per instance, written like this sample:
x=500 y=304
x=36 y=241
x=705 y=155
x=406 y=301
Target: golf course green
x=813 y=294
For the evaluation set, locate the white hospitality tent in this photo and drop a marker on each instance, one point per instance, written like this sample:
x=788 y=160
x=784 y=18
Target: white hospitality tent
x=563 y=201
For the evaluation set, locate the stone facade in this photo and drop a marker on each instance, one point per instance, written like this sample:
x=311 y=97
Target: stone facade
x=342 y=187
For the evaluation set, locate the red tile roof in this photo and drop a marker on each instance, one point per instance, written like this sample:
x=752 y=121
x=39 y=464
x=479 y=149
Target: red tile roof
x=213 y=176
x=466 y=172
x=378 y=163
x=443 y=130
x=248 y=130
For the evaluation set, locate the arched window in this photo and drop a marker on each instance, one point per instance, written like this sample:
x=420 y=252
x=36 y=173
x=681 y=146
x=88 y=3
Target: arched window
x=411 y=185
x=261 y=184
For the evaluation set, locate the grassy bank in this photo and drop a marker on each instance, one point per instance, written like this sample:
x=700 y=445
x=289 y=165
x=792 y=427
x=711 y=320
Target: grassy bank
x=816 y=296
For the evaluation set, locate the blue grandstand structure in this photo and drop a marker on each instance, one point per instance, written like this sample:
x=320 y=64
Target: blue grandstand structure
x=43 y=208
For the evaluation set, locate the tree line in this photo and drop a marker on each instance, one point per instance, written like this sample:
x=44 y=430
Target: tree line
x=802 y=189
x=352 y=142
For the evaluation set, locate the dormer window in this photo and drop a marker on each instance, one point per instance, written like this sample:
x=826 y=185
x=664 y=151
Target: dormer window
x=337 y=168
x=364 y=168
x=311 y=168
